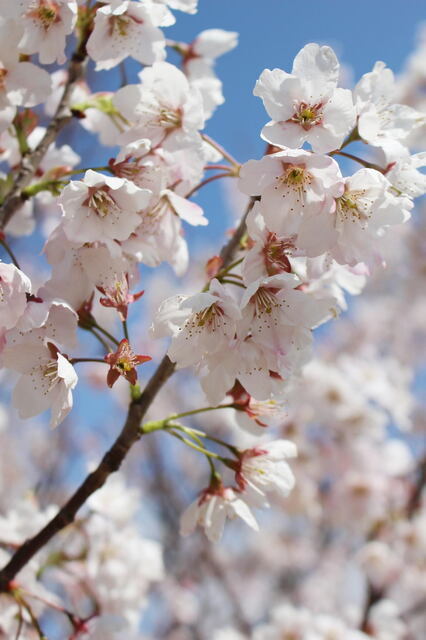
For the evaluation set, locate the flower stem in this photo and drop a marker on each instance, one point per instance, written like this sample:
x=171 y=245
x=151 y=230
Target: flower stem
x=192 y=445
x=125 y=330
x=216 y=167
x=77 y=360
x=101 y=340
x=228 y=174
x=106 y=333
x=226 y=270
x=365 y=163
x=221 y=150
x=176 y=416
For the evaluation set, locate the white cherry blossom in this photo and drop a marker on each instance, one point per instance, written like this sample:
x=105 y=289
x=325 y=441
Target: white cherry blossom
x=264 y=467
x=46 y=382
x=209 y=325
x=103 y=209
x=198 y=64
x=306 y=105
x=164 y=108
x=381 y=122
x=362 y=215
x=126 y=29
x=21 y=83
x=46 y=24
x=297 y=190
x=211 y=510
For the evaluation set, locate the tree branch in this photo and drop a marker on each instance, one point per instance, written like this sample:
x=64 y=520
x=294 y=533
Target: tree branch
x=114 y=457
x=30 y=162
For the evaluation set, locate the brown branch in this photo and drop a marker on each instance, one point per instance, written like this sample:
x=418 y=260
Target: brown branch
x=30 y=162
x=113 y=458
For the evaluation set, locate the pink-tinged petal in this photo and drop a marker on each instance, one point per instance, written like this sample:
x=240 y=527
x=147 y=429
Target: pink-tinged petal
x=187 y=210
x=29 y=399
x=284 y=134
x=189 y=519
x=317 y=66
x=278 y=90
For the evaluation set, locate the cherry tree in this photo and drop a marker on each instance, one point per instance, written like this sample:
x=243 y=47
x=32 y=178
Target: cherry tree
x=316 y=454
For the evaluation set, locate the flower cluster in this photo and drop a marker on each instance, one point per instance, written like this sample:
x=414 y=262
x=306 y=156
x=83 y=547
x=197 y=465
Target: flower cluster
x=314 y=230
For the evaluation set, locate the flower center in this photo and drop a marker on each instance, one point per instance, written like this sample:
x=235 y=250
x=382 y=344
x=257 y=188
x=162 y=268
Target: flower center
x=45 y=12
x=121 y=24
x=264 y=301
x=3 y=74
x=275 y=254
x=100 y=201
x=211 y=317
x=169 y=119
x=354 y=206
x=50 y=372
x=308 y=115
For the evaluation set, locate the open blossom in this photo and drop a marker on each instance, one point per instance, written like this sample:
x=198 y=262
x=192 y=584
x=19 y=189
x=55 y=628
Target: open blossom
x=21 y=83
x=14 y=287
x=46 y=24
x=264 y=467
x=381 y=122
x=306 y=105
x=164 y=108
x=103 y=209
x=406 y=177
x=198 y=63
x=123 y=363
x=292 y=183
x=77 y=270
x=363 y=212
x=46 y=382
x=127 y=29
x=203 y=323
x=297 y=190
x=118 y=296
x=279 y=318
x=212 y=508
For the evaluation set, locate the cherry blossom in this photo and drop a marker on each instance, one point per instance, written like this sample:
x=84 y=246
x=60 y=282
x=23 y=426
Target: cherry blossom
x=126 y=29
x=123 y=363
x=209 y=323
x=100 y=208
x=212 y=508
x=297 y=189
x=46 y=25
x=381 y=122
x=264 y=468
x=21 y=83
x=163 y=108
x=306 y=106
x=198 y=63
x=46 y=382
x=363 y=212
